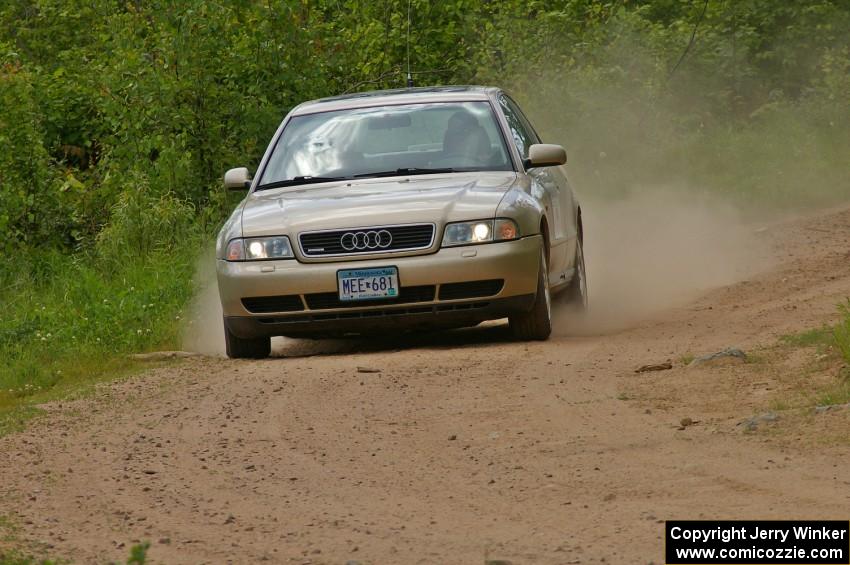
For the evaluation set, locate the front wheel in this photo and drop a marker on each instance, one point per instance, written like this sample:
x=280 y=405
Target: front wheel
x=241 y=348
x=536 y=324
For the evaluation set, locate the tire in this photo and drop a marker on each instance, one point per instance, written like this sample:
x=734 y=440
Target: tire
x=240 y=348
x=575 y=294
x=536 y=324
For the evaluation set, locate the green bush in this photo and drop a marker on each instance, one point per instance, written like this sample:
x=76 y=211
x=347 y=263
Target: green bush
x=31 y=205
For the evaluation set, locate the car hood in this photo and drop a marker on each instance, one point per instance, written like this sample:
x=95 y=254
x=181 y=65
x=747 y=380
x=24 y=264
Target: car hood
x=372 y=202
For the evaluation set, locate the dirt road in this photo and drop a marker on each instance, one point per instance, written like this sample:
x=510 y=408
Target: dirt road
x=461 y=447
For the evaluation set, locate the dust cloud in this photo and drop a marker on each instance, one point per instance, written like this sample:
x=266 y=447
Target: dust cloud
x=204 y=331
x=655 y=249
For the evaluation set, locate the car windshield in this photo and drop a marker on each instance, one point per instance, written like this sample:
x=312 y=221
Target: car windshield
x=386 y=141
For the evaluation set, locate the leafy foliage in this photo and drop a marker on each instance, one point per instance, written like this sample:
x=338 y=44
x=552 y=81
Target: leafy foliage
x=30 y=202
x=106 y=99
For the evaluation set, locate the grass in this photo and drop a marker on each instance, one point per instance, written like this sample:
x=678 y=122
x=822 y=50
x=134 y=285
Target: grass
x=823 y=379
x=138 y=556
x=8 y=534
x=835 y=396
x=70 y=321
x=831 y=343
x=79 y=377
x=780 y=405
x=755 y=357
x=808 y=338
x=836 y=393
x=17 y=558
x=841 y=332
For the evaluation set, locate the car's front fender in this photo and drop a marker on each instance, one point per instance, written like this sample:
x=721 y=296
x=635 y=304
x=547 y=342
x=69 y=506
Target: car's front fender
x=523 y=208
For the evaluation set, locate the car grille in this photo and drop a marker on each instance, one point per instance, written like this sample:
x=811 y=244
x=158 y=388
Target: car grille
x=379 y=239
x=267 y=304
x=472 y=289
x=406 y=295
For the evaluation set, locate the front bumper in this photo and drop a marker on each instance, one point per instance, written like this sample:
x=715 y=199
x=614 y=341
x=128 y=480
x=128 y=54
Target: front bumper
x=516 y=263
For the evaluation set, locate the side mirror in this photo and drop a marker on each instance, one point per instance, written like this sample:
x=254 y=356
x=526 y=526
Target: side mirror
x=237 y=179
x=545 y=155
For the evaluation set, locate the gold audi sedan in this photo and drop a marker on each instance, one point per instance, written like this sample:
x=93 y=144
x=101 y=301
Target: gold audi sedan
x=400 y=210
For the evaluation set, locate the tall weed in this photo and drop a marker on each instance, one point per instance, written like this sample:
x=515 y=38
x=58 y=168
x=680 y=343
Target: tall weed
x=841 y=333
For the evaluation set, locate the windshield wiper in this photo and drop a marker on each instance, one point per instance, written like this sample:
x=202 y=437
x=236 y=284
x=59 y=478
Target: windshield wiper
x=307 y=179
x=405 y=171
x=294 y=181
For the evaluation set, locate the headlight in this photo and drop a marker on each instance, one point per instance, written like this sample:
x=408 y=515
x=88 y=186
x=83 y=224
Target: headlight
x=259 y=248
x=482 y=231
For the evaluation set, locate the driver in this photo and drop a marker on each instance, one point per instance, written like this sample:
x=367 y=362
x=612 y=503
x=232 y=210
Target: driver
x=466 y=138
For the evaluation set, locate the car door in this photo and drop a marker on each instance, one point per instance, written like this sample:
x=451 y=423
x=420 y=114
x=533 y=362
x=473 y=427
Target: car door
x=551 y=187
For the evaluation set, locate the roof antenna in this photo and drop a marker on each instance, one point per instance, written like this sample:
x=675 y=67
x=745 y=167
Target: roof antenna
x=409 y=75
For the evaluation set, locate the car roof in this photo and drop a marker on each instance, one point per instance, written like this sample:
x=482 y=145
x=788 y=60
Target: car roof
x=397 y=96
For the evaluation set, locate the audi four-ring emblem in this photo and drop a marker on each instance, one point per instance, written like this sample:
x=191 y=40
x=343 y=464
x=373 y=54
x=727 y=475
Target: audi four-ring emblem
x=364 y=240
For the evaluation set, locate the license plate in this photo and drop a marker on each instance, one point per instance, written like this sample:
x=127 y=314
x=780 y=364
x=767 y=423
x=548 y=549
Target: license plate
x=368 y=284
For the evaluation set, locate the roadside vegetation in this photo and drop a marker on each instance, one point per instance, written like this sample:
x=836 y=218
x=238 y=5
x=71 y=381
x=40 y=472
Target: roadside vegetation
x=70 y=320
x=841 y=333
x=811 y=374
x=138 y=556
x=118 y=119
